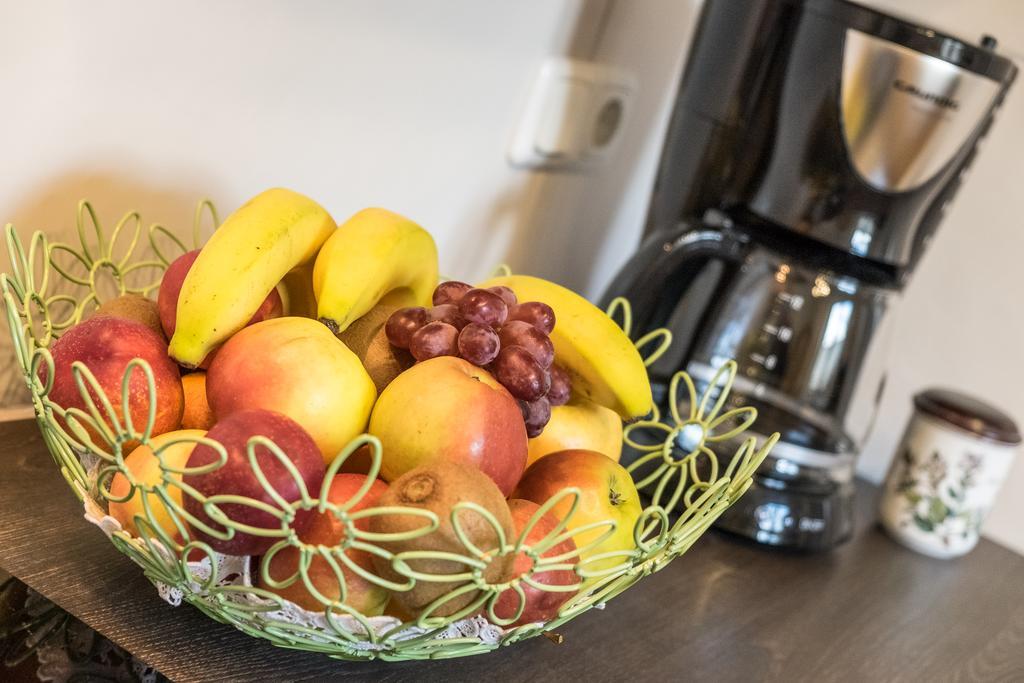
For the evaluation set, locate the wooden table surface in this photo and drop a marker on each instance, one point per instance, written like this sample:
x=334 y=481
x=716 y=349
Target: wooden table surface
x=728 y=610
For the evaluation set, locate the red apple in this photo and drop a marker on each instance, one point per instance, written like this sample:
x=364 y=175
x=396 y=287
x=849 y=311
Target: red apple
x=540 y=605
x=106 y=345
x=237 y=477
x=607 y=493
x=326 y=529
x=447 y=409
x=170 y=289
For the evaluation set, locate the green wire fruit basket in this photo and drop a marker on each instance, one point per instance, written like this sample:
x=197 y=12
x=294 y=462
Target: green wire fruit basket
x=53 y=286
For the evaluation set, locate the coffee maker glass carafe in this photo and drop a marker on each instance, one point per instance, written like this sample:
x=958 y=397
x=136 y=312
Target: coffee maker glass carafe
x=807 y=341
x=797 y=333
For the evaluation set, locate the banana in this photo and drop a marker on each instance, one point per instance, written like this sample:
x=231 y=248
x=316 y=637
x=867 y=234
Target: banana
x=602 y=361
x=247 y=256
x=371 y=254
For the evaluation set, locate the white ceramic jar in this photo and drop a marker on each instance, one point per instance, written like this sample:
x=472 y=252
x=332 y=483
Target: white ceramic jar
x=947 y=472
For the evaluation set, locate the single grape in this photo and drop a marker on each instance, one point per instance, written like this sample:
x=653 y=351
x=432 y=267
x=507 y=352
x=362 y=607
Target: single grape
x=484 y=307
x=538 y=314
x=524 y=408
x=521 y=333
x=478 y=344
x=537 y=415
x=561 y=386
x=403 y=323
x=506 y=294
x=446 y=313
x=433 y=340
x=516 y=368
x=450 y=292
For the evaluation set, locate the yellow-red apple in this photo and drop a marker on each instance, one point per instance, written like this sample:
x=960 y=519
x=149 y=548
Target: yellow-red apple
x=294 y=366
x=327 y=530
x=448 y=410
x=607 y=493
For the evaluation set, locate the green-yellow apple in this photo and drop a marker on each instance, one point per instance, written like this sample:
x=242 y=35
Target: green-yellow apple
x=607 y=493
x=449 y=410
x=580 y=423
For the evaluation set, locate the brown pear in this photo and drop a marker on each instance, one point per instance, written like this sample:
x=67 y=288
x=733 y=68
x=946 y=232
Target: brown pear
x=438 y=488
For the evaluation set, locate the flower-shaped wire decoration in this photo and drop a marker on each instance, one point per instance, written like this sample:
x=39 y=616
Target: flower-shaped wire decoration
x=26 y=289
x=620 y=306
x=172 y=243
x=105 y=265
x=680 y=449
x=482 y=591
x=337 y=556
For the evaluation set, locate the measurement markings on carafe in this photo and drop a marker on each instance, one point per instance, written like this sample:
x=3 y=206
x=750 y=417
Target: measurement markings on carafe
x=780 y=332
x=768 y=362
x=771 y=344
x=794 y=301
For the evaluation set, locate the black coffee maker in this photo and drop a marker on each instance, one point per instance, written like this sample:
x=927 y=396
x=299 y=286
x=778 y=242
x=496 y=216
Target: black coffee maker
x=812 y=152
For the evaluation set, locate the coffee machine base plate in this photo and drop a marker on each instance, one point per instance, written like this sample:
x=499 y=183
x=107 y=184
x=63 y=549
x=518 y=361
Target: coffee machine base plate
x=773 y=514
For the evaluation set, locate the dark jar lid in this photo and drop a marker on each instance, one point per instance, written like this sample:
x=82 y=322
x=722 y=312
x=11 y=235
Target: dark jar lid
x=968 y=413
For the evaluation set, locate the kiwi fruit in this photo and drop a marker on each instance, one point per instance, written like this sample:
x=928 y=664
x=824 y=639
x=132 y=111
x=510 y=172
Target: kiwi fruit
x=438 y=487
x=359 y=335
x=384 y=362
x=366 y=338
x=133 y=307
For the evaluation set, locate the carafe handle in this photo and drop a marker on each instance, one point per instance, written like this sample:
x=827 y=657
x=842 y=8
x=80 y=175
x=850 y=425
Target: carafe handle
x=666 y=265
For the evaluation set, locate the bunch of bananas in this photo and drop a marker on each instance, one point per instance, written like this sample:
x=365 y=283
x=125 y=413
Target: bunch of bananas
x=338 y=273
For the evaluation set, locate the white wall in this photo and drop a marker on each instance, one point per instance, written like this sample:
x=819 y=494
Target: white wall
x=409 y=105
x=152 y=106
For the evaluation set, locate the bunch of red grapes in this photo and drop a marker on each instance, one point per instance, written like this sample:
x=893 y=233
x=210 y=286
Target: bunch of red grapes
x=490 y=328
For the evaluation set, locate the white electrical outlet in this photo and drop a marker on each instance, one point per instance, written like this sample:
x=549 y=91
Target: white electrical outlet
x=574 y=115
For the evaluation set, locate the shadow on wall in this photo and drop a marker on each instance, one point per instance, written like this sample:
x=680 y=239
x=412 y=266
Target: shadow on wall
x=567 y=225
x=533 y=222
x=547 y=227
x=52 y=208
